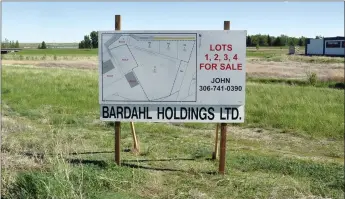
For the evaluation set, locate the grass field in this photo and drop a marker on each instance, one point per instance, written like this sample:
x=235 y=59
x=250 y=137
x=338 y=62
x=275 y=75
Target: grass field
x=35 y=45
x=263 y=54
x=54 y=145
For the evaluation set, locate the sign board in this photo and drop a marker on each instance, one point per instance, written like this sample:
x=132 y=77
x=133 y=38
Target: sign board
x=175 y=76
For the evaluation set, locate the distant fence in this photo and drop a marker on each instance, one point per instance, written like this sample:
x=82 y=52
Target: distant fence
x=8 y=50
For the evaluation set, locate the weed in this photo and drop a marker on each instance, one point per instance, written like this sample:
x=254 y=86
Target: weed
x=312 y=78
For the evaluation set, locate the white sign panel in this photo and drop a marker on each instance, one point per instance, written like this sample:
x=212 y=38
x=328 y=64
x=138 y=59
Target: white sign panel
x=172 y=76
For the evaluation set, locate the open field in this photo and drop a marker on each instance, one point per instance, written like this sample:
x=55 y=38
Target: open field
x=62 y=45
x=263 y=54
x=262 y=63
x=54 y=146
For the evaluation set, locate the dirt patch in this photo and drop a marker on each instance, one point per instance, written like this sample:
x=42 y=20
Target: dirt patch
x=290 y=69
x=80 y=64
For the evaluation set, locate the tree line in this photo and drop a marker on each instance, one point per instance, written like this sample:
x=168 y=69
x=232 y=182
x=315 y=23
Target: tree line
x=91 y=40
x=267 y=40
x=15 y=44
x=9 y=44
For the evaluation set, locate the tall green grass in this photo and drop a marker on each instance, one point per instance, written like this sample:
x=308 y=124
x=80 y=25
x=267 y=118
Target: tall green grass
x=71 y=96
x=56 y=113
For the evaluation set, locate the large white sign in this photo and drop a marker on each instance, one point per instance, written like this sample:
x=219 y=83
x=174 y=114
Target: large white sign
x=177 y=76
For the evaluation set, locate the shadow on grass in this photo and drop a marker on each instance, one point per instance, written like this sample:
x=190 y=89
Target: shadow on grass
x=126 y=163
x=99 y=163
x=160 y=160
x=91 y=152
x=338 y=86
x=41 y=155
x=166 y=169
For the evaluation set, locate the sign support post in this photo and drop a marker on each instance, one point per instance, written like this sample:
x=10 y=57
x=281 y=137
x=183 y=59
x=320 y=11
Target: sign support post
x=136 y=149
x=215 y=152
x=223 y=130
x=117 y=123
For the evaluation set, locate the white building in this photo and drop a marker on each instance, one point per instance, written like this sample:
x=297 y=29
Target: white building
x=328 y=46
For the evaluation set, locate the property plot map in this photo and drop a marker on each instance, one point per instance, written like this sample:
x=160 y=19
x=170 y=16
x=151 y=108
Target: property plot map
x=143 y=67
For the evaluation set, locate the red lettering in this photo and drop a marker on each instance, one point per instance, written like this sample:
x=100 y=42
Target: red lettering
x=211 y=49
x=239 y=66
x=221 y=47
x=208 y=66
x=230 y=66
x=235 y=57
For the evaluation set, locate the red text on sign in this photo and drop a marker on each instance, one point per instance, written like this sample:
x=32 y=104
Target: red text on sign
x=221 y=47
x=216 y=57
x=235 y=57
x=208 y=66
x=230 y=66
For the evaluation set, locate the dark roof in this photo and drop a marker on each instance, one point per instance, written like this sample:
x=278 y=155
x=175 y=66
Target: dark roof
x=331 y=38
x=334 y=38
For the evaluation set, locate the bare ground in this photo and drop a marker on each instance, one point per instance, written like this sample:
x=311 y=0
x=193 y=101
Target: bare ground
x=287 y=69
x=291 y=69
x=80 y=64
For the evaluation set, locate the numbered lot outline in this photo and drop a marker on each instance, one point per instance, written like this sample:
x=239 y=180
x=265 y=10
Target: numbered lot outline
x=131 y=76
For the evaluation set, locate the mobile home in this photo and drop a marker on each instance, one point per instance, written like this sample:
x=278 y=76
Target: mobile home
x=328 y=46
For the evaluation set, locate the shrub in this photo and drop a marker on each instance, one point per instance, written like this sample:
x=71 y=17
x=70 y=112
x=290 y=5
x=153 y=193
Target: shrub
x=312 y=78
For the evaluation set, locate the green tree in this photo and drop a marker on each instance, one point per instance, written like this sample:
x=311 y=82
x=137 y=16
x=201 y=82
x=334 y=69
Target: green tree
x=262 y=40
x=6 y=43
x=269 y=40
x=301 y=41
x=94 y=39
x=255 y=40
x=43 y=45
x=284 y=40
x=249 y=41
x=87 y=42
x=17 y=44
x=277 y=42
x=82 y=44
